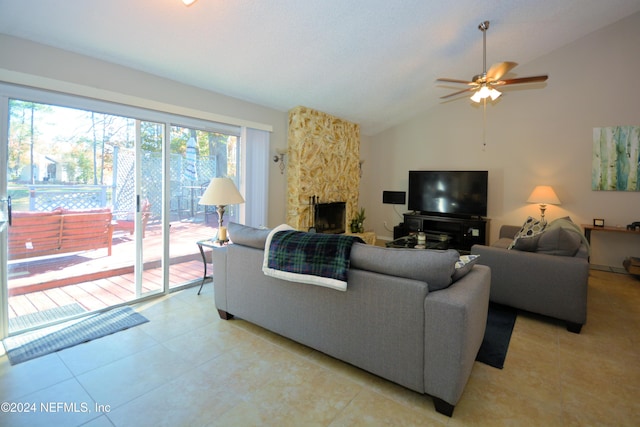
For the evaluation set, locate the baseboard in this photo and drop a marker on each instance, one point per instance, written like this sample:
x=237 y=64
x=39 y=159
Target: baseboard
x=608 y=268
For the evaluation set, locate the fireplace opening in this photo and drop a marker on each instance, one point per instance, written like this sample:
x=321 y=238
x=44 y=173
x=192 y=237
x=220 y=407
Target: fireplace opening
x=330 y=218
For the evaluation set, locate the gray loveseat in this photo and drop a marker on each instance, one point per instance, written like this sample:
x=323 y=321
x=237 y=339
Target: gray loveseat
x=546 y=273
x=388 y=321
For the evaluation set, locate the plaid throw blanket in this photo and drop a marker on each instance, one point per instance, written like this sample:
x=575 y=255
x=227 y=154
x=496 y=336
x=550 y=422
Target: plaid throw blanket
x=318 y=259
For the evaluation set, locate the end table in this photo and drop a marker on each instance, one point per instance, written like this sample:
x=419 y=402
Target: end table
x=207 y=243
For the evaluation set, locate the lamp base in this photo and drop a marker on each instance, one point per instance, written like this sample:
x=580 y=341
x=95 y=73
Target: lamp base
x=543 y=208
x=222 y=231
x=222 y=235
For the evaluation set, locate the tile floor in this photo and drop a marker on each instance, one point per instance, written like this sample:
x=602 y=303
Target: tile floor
x=186 y=367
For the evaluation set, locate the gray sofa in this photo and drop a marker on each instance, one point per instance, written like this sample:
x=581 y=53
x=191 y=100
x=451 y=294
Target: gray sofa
x=548 y=277
x=387 y=322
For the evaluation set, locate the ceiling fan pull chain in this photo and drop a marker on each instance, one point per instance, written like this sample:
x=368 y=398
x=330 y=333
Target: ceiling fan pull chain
x=484 y=125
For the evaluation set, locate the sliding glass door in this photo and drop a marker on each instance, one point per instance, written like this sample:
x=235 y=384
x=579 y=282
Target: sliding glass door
x=103 y=201
x=81 y=210
x=196 y=156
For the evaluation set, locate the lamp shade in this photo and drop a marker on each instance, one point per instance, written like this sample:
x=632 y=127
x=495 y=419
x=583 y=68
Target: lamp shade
x=221 y=192
x=543 y=194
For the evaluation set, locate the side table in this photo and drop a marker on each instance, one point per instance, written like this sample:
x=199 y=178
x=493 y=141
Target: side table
x=207 y=243
x=588 y=228
x=433 y=241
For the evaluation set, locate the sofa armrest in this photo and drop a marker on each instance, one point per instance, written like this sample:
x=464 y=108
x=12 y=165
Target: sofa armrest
x=509 y=231
x=551 y=285
x=455 y=319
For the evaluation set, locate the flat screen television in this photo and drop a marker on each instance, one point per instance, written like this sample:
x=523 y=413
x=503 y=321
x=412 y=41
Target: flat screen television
x=454 y=193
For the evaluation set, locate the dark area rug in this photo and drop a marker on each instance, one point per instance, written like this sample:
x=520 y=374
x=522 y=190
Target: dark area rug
x=39 y=343
x=500 y=321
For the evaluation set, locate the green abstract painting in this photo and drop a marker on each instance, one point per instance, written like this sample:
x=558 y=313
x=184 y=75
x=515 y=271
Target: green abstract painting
x=616 y=158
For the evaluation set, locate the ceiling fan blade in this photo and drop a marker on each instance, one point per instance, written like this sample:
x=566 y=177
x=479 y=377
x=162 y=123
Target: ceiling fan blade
x=486 y=81
x=532 y=79
x=465 y=82
x=500 y=69
x=458 y=92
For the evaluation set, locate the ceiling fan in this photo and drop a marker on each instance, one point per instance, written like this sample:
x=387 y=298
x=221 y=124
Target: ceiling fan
x=484 y=84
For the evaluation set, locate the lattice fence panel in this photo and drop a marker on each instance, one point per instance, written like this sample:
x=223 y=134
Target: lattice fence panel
x=49 y=197
x=122 y=197
x=152 y=183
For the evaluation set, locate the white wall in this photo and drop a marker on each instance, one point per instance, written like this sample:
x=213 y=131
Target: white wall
x=538 y=135
x=33 y=64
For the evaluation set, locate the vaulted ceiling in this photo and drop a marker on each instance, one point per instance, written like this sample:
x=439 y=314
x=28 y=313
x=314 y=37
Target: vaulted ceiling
x=372 y=62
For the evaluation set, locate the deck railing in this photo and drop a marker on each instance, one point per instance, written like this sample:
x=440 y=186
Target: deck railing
x=51 y=196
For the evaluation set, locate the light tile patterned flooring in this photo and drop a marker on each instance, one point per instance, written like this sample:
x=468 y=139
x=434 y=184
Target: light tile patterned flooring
x=186 y=367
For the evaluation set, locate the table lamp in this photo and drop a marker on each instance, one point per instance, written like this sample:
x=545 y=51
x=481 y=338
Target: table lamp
x=543 y=195
x=221 y=192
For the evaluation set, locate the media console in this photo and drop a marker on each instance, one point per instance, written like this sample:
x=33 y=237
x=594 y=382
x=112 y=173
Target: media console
x=462 y=232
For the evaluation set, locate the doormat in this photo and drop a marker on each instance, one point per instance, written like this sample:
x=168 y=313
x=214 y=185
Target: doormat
x=39 y=343
x=500 y=322
x=45 y=316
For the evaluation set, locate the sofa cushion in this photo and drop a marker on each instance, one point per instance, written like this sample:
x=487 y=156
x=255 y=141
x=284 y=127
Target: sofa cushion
x=464 y=266
x=434 y=267
x=528 y=244
x=502 y=243
x=248 y=236
x=530 y=228
x=561 y=237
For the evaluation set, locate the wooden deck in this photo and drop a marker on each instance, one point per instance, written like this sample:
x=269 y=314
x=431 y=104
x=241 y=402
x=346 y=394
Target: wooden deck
x=96 y=281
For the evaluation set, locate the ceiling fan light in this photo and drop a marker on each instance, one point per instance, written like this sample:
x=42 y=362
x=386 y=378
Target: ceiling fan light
x=485 y=92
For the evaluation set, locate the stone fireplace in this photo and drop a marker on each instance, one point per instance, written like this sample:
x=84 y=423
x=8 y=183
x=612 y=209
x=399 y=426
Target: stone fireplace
x=324 y=161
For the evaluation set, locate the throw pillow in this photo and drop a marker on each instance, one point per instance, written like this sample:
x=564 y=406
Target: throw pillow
x=561 y=237
x=464 y=266
x=530 y=228
x=247 y=236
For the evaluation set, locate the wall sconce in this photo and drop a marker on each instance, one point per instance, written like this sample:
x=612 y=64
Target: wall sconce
x=279 y=158
x=189 y=2
x=543 y=195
